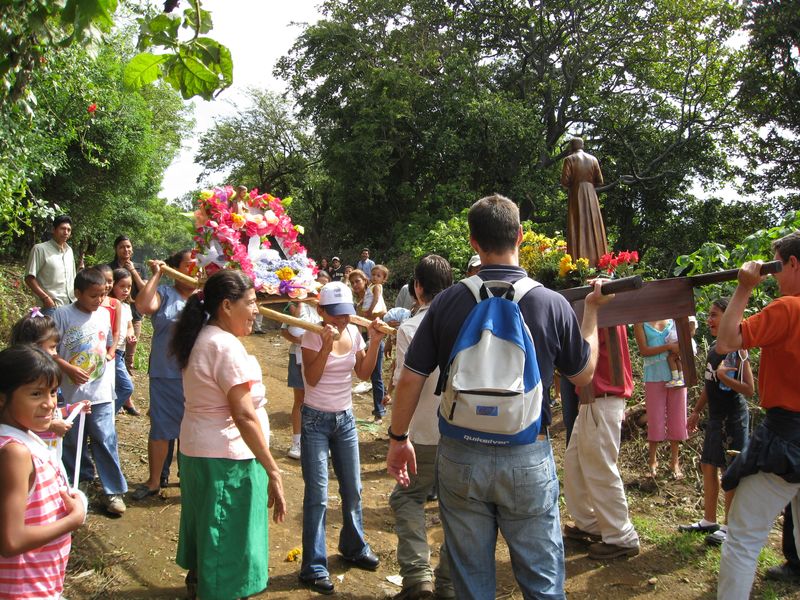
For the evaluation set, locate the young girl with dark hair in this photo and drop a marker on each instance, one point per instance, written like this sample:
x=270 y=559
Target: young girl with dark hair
x=728 y=382
x=111 y=304
x=164 y=304
x=37 y=511
x=40 y=330
x=123 y=385
x=226 y=465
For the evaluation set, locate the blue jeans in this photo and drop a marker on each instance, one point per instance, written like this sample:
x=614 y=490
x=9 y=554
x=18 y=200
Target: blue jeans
x=103 y=434
x=513 y=489
x=123 y=386
x=378 y=409
x=321 y=431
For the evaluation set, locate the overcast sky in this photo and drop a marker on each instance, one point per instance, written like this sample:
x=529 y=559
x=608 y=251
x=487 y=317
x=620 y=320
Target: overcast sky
x=258 y=33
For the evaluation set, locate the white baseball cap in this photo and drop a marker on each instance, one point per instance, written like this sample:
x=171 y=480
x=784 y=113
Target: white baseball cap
x=337 y=299
x=475 y=261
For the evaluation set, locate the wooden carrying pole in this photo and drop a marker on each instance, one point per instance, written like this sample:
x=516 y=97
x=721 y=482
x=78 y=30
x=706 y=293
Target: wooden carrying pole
x=279 y=316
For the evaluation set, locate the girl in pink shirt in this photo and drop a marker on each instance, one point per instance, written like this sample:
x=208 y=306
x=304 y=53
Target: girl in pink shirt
x=328 y=425
x=37 y=512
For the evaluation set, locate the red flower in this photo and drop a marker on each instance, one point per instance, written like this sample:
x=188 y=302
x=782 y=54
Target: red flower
x=604 y=261
x=91 y=108
x=634 y=257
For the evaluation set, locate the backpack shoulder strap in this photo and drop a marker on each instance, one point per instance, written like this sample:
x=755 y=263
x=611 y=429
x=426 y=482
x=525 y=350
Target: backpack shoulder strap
x=474 y=285
x=523 y=286
x=481 y=289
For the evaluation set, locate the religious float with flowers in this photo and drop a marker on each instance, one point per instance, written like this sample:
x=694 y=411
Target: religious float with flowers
x=253 y=233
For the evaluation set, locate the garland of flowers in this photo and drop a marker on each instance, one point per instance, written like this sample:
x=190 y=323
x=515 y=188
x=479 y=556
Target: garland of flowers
x=227 y=239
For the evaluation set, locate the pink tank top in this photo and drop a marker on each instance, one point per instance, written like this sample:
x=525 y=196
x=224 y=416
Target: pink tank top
x=38 y=573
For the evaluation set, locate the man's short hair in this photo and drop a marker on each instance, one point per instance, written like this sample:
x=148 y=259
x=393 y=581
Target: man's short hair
x=365 y=250
x=494 y=223
x=788 y=246
x=86 y=278
x=434 y=274
x=60 y=220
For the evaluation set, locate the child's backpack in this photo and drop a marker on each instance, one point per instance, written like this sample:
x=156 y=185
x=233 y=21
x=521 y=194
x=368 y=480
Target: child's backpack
x=491 y=391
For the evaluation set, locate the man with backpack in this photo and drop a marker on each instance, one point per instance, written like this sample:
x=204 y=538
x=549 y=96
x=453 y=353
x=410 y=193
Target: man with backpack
x=495 y=465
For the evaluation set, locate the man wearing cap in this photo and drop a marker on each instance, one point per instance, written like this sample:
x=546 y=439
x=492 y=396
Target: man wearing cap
x=485 y=488
x=51 y=268
x=336 y=270
x=328 y=425
x=474 y=265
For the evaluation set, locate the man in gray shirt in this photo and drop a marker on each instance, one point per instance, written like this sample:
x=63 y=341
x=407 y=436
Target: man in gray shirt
x=51 y=268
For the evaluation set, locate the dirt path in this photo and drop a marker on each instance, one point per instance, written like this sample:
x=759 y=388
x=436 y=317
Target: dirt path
x=134 y=556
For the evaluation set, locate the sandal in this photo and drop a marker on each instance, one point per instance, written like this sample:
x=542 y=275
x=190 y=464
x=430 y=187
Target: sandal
x=142 y=491
x=698 y=528
x=678 y=475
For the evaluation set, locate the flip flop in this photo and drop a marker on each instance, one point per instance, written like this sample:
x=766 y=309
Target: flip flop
x=678 y=475
x=142 y=491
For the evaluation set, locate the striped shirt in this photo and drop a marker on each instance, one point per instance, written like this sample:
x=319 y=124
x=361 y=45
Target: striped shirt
x=37 y=574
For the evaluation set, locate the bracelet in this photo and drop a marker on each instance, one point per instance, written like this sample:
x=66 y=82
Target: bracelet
x=395 y=437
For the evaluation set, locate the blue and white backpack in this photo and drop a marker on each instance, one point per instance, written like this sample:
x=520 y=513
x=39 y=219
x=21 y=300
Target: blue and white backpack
x=491 y=390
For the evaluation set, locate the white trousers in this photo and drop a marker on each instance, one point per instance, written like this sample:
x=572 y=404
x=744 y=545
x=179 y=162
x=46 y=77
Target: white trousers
x=758 y=501
x=592 y=485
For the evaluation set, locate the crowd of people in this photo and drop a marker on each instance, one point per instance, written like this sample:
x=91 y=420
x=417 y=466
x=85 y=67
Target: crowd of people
x=72 y=357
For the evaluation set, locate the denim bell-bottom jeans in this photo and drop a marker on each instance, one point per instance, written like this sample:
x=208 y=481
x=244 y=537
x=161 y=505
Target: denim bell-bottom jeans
x=320 y=432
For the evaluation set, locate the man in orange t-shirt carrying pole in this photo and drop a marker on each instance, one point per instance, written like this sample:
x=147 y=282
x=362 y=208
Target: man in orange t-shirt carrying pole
x=766 y=474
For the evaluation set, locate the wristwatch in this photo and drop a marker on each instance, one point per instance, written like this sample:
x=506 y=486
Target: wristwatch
x=395 y=437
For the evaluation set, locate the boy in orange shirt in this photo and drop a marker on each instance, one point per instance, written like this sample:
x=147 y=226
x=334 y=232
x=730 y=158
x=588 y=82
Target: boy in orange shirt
x=766 y=474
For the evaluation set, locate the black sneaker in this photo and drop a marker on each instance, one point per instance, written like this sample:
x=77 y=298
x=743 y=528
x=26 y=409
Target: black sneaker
x=368 y=561
x=784 y=572
x=321 y=585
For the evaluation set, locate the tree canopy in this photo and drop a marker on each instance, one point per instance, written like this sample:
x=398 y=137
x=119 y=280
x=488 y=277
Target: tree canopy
x=422 y=106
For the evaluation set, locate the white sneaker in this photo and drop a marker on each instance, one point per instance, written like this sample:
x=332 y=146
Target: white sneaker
x=294 y=451
x=362 y=388
x=115 y=504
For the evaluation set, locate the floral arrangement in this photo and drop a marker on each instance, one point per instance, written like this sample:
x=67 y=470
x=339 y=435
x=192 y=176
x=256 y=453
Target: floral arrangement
x=546 y=260
x=233 y=231
x=621 y=264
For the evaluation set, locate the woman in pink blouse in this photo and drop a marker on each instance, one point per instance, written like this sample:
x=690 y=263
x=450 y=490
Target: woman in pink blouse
x=227 y=470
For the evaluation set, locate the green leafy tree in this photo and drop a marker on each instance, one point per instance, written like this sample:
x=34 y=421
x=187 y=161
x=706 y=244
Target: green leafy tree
x=108 y=146
x=771 y=96
x=261 y=146
x=421 y=107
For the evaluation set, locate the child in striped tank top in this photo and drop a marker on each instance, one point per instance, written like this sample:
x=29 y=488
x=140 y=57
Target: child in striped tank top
x=37 y=511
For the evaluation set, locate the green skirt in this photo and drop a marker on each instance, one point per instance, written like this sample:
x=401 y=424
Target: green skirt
x=223 y=531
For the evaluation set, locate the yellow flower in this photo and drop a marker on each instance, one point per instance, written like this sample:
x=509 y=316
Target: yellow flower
x=299 y=229
x=285 y=274
x=238 y=220
x=582 y=263
x=565 y=266
x=294 y=555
